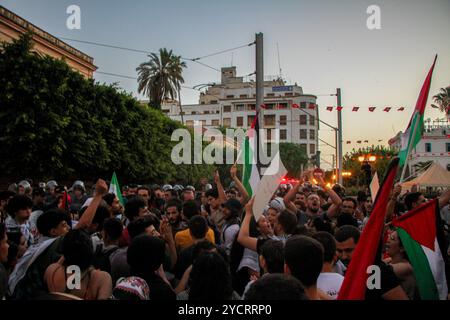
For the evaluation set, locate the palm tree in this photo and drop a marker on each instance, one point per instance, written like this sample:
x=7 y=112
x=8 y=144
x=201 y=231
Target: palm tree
x=442 y=99
x=160 y=78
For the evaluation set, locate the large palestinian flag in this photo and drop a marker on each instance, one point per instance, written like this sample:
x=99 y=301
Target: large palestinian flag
x=414 y=131
x=421 y=233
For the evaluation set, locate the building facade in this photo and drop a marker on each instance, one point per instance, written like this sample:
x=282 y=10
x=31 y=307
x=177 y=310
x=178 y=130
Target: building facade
x=12 y=27
x=232 y=104
x=434 y=146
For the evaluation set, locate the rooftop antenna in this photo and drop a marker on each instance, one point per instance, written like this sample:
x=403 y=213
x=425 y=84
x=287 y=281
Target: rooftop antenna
x=279 y=64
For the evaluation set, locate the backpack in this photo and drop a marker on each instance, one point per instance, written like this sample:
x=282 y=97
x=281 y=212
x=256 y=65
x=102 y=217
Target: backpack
x=102 y=258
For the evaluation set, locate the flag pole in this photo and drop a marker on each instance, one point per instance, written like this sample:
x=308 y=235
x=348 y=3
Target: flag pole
x=409 y=150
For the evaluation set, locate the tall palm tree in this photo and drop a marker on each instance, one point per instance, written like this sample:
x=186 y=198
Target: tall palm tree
x=442 y=100
x=160 y=78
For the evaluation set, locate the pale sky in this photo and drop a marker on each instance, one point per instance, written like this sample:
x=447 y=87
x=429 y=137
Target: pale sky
x=323 y=44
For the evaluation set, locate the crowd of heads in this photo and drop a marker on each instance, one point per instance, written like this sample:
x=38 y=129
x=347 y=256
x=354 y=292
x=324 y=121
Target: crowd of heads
x=167 y=242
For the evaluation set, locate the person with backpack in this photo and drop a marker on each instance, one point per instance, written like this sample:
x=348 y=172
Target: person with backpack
x=111 y=233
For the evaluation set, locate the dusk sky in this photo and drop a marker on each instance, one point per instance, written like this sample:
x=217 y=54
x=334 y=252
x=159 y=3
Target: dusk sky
x=323 y=45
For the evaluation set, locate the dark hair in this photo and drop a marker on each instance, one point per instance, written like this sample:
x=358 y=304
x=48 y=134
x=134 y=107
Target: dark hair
x=198 y=227
x=409 y=199
x=351 y=200
x=304 y=257
x=101 y=214
x=346 y=232
x=174 y=202
x=361 y=196
x=109 y=198
x=276 y=287
x=145 y=254
x=50 y=220
x=202 y=246
x=212 y=193
x=38 y=192
x=113 y=228
x=321 y=224
x=133 y=206
x=77 y=249
x=2 y=230
x=18 y=202
x=143 y=188
x=288 y=221
x=14 y=237
x=273 y=253
x=210 y=278
x=190 y=209
x=138 y=226
x=346 y=220
x=328 y=243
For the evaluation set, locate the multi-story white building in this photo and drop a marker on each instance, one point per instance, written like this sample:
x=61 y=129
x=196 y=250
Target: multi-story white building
x=434 y=146
x=231 y=104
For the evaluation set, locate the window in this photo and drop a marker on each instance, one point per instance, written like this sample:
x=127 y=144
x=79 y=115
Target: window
x=303 y=147
x=226 y=108
x=240 y=121
x=269 y=134
x=283 y=120
x=239 y=107
x=190 y=123
x=288 y=94
x=206 y=112
x=303 y=105
x=282 y=106
x=226 y=122
x=312 y=149
x=215 y=123
x=230 y=96
x=213 y=102
x=271 y=94
x=428 y=147
x=303 y=134
x=312 y=120
x=269 y=106
x=250 y=120
x=203 y=122
x=283 y=134
x=447 y=147
x=303 y=118
x=194 y=112
x=312 y=134
x=269 y=120
x=251 y=107
x=243 y=96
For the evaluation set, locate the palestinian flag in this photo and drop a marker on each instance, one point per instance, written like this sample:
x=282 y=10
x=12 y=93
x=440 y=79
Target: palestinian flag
x=365 y=254
x=115 y=188
x=422 y=236
x=414 y=131
x=250 y=176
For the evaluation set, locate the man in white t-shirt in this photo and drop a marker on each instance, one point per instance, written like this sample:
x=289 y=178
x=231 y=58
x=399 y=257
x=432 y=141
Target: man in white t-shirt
x=329 y=281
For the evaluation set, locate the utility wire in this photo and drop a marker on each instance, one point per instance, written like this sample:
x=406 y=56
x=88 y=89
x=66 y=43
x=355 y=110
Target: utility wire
x=148 y=52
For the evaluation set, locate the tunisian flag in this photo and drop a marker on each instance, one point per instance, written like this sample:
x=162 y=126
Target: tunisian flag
x=354 y=285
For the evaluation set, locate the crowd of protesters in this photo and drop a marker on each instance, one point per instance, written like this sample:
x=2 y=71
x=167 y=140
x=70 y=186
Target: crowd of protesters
x=174 y=242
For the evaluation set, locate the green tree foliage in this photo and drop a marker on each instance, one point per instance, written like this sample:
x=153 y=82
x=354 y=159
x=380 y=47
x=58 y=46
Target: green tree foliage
x=293 y=156
x=352 y=164
x=56 y=123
